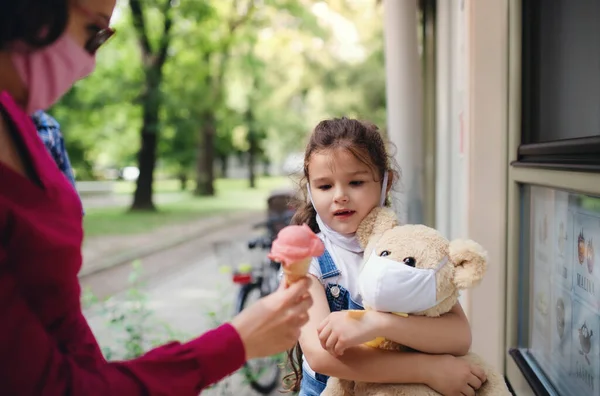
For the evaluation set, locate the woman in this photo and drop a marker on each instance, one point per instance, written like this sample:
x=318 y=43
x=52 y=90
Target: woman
x=46 y=346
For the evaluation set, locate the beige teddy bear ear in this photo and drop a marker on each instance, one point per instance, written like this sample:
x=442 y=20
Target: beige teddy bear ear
x=470 y=262
x=378 y=221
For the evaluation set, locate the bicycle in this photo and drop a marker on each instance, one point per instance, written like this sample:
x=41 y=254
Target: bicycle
x=262 y=374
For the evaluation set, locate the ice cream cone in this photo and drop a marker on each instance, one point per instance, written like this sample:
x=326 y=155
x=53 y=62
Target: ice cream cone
x=294 y=248
x=293 y=272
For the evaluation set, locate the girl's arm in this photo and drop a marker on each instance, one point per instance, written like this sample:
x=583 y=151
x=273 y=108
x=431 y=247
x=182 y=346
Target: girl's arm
x=449 y=333
x=446 y=374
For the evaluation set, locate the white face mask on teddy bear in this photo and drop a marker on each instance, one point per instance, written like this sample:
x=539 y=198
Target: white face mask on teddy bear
x=390 y=286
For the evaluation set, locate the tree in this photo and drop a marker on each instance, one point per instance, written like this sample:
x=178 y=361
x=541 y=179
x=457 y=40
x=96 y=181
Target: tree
x=254 y=136
x=217 y=56
x=153 y=60
x=178 y=139
x=262 y=78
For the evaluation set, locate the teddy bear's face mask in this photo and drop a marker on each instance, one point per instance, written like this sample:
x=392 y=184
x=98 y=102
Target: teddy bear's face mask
x=388 y=285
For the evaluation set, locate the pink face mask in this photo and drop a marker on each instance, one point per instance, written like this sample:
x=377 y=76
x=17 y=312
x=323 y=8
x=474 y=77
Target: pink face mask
x=50 y=72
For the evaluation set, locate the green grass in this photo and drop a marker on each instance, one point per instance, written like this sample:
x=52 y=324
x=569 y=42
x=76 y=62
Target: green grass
x=232 y=196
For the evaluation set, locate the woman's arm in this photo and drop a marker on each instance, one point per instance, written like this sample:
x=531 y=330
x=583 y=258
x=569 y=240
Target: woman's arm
x=449 y=333
x=367 y=364
x=34 y=364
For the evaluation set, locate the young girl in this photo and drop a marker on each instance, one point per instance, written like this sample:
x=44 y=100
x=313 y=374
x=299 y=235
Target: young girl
x=347 y=173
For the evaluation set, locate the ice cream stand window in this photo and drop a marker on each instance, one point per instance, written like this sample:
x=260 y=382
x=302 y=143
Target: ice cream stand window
x=559 y=324
x=553 y=280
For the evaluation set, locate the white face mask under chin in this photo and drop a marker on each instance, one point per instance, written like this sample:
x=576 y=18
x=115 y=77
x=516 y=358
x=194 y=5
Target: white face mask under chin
x=391 y=286
x=348 y=242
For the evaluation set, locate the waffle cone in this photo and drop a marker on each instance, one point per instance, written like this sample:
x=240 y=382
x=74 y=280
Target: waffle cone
x=295 y=271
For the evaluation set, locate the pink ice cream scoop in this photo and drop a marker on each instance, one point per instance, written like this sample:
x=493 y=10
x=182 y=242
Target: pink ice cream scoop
x=294 y=248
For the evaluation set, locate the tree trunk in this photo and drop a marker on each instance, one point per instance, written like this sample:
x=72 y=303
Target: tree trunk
x=153 y=64
x=183 y=179
x=142 y=199
x=224 y=165
x=205 y=174
x=252 y=157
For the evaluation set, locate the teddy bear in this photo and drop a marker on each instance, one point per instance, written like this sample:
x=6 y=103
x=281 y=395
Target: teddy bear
x=444 y=268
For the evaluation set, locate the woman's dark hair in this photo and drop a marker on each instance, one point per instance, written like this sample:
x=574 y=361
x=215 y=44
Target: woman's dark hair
x=364 y=141
x=36 y=23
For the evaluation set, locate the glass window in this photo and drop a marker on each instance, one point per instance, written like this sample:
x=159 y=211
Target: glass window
x=560 y=85
x=560 y=290
x=564 y=75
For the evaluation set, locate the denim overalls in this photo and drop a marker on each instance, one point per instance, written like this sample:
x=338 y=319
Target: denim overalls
x=339 y=299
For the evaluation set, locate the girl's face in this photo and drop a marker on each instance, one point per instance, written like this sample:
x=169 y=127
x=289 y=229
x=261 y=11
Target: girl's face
x=344 y=190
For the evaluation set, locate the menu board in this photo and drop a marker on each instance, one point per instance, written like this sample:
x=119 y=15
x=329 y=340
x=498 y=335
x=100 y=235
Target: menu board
x=565 y=289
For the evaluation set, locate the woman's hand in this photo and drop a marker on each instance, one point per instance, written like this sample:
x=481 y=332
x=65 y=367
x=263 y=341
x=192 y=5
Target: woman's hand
x=272 y=325
x=340 y=331
x=452 y=376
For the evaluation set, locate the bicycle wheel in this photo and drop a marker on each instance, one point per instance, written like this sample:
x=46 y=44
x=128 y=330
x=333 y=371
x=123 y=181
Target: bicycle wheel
x=262 y=374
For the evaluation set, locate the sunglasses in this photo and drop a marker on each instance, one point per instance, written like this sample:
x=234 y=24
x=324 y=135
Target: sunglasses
x=104 y=32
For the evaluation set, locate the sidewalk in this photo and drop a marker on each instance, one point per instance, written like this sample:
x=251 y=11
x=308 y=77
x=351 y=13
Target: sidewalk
x=103 y=252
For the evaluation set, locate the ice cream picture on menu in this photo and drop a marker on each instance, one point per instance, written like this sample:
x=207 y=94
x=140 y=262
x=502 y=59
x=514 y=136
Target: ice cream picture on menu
x=294 y=248
x=581 y=247
x=585 y=364
x=585 y=276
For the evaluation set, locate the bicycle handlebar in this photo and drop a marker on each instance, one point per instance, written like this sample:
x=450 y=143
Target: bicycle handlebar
x=272 y=220
x=273 y=223
x=263 y=242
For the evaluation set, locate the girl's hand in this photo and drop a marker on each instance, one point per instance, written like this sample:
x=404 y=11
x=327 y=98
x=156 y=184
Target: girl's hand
x=452 y=376
x=339 y=331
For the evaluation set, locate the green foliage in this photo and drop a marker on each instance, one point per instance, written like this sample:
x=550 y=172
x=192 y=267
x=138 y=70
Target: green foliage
x=130 y=321
x=292 y=62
